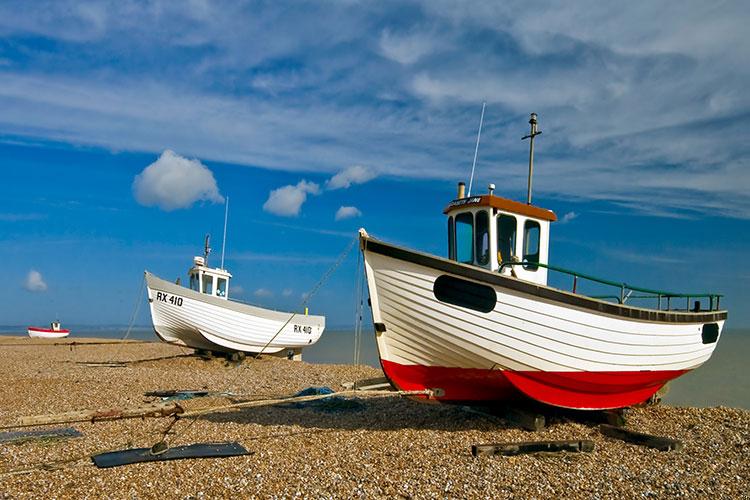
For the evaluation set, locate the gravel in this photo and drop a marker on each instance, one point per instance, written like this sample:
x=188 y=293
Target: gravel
x=387 y=447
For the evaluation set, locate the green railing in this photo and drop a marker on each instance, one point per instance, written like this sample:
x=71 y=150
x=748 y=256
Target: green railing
x=626 y=291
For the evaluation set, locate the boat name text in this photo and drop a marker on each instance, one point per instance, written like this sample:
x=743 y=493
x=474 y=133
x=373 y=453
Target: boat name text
x=465 y=201
x=172 y=299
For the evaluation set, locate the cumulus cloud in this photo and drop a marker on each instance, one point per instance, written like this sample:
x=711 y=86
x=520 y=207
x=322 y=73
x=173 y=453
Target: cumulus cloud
x=174 y=182
x=356 y=174
x=263 y=293
x=347 y=213
x=568 y=217
x=287 y=201
x=35 y=282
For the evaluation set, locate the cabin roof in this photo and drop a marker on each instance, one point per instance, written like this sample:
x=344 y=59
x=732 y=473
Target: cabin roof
x=211 y=270
x=489 y=200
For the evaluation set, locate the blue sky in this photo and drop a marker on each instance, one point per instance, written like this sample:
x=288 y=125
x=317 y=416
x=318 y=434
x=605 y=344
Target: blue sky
x=123 y=125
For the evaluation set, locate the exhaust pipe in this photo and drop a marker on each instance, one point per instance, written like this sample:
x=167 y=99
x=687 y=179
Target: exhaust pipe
x=461 y=190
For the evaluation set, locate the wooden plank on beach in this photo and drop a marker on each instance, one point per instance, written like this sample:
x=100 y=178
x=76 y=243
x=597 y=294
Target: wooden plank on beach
x=658 y=442
x=163 y=409
x=368 y=384
x=523 y=447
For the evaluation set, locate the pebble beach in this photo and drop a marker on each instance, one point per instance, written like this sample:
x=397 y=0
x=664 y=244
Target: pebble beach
x=375 y=447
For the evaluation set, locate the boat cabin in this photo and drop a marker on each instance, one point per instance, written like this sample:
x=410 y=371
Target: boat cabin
x=489 y=231
x=211 y=281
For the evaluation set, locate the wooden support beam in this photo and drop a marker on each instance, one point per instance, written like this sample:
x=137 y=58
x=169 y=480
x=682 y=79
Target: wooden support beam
x=164 y=409
x=521 y=417
x=658 y=442
x=523 y=447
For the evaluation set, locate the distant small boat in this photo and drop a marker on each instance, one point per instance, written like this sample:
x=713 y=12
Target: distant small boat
x=53 y=332
x=203 y=317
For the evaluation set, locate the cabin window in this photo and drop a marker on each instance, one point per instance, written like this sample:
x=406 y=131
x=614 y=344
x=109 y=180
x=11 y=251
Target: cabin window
x=451 y=239
x=506 y=238
x=531 y=233
x=208 y=285
x=221 y=287
x=483 y=238
x=464 y=293
x=194 y=283
x=465 y=238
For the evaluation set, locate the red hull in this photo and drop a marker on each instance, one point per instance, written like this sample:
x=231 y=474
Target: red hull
x=47 y=330
x=580 y=390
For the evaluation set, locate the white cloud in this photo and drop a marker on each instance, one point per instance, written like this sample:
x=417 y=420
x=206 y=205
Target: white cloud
x=287 y=200
x=356 y=174
x=263 y=293
x=287 y=292
x=237 y=290
x=347 y=213
x=662 y=87
x=35 y=282
x=568 y=217
x=173 y=182
x=406 y=49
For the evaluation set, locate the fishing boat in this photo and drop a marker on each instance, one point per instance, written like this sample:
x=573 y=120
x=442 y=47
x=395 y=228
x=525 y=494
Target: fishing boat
x=55 y=331
x=484 y=325
x=203 y=317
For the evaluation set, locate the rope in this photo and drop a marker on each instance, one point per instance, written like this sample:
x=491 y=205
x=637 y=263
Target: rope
x=314 y=290
x=358 y=307
x=132 y=320
x=78 y=460
x=308 y=296
x=301 y=399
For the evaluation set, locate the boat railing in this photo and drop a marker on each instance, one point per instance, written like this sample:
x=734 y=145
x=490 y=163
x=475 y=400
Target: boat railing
x=663 y=298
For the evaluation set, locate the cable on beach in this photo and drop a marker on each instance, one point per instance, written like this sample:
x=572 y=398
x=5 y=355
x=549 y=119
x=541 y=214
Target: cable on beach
x=329 y=272
x=85 y=416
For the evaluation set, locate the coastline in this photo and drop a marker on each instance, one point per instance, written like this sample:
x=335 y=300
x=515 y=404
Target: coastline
x=381 y=447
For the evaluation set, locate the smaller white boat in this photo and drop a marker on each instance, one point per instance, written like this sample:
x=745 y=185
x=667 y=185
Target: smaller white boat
x=55 y=331
x=203 y=316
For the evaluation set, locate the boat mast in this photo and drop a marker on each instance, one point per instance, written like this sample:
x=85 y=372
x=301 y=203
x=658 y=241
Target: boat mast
x=534 y=133
x=224 y=240
x=476 y=149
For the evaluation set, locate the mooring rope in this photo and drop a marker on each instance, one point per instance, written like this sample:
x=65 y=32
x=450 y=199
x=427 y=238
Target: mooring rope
x=313 y=291
x=358 y=308
x=306 y=299
x=136 y=310
x=197 y=414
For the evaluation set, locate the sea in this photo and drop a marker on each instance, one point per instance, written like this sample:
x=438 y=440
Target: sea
x=722 y=381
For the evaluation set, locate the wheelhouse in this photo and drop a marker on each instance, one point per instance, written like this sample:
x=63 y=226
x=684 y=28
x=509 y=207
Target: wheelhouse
x=207 y=280
x=500 y=235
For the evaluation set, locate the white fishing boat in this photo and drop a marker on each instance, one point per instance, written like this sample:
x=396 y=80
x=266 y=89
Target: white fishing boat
x=55 y=331
x=484 y=325
x=202 y=316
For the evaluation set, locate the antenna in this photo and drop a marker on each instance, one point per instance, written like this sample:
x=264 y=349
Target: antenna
x=476 y=149
x=206 y=248
x=534 y=133
x=224 y=241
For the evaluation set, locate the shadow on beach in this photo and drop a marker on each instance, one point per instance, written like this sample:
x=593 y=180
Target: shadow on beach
x=381 y=414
